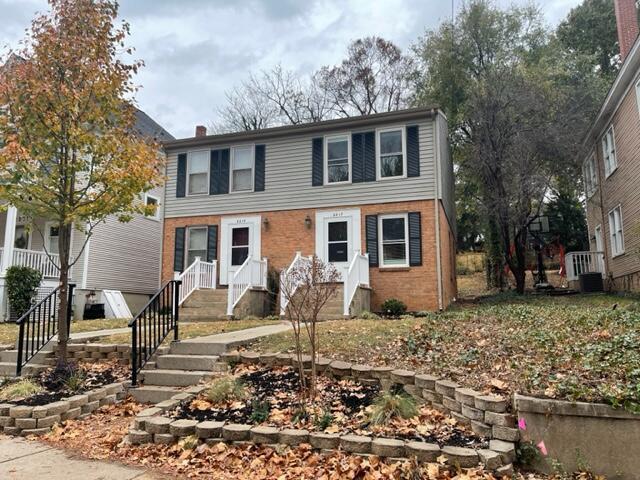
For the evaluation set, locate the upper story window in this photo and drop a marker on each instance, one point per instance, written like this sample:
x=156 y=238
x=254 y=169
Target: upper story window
x=394 y=241
x=198 y=172
x=590 y=175
x=153 y=201
x=242 y=168
x=609 y=152
x=338 y=158
x=616 y=232
x=391 y=153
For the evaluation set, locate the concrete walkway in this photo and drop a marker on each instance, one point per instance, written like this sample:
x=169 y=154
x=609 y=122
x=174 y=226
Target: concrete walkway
x=27 y=460
x=238 y=337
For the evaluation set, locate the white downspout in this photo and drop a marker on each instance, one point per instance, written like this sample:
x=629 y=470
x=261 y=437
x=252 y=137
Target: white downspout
x=437 y=209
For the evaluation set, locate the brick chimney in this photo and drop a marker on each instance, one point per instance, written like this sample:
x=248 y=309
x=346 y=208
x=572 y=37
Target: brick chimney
x=201 y=131
x=627 y=21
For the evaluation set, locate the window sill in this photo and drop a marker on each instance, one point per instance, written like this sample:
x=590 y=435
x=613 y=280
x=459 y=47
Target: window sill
x=617 y=255
x=394 y=269
x=606 y=177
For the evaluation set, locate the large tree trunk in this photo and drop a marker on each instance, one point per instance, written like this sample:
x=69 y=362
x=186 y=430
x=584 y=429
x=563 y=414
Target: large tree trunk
x=63 y=330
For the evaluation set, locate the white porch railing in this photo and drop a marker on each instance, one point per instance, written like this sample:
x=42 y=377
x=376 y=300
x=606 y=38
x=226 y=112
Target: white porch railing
x=355 y=276
x=37 y=260
x=584 y=262
x=197 y=275
x=284 y=277
x=252 y=273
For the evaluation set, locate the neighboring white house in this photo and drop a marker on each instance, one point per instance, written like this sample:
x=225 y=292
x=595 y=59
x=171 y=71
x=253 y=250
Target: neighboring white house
x=118 y=256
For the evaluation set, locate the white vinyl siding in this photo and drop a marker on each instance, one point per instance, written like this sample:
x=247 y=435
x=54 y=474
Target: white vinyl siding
x=616 y=232
x=590 y=176
x=393 y=231
x=609 y=152
x=198 y=173
x=288 y=181
x=391 y=153
x=337 y=159
x=242 y=164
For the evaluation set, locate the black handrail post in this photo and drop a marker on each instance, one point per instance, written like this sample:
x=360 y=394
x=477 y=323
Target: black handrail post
x=176 y=299
x=134 y=355
x=20 y=350
x=72 y=287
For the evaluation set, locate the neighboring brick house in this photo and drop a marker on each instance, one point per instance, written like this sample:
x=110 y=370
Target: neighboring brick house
x=380 y=185
x=612 y=167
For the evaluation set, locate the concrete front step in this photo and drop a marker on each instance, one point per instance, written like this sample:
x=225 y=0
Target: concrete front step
x=187 y=362
x=8 y=369
x=202 y=302
x=174 y=378
x=202 y=316
x=186 y=347
x=9 y=356
x=153 y=393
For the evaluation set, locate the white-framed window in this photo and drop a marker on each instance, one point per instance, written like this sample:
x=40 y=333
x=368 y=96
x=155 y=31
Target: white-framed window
x=638 y=94
x=609 y=152
x=616 y=231
x=242 y=161
x=22 y=238
x=196 y=244
x=152 y=200
x=590 y=175
x=394 y=240
x=198 y=172
x=391 y=153
x=52 y=237
x=337 y=159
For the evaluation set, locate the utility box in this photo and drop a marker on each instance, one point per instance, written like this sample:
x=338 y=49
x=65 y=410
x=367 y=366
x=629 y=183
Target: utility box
x=591 y=282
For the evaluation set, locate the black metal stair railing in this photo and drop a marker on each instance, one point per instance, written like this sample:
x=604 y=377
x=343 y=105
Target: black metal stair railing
x=151 y=326
x=39 y=325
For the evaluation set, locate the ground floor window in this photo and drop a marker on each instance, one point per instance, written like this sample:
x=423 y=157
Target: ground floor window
x=239 y=245
x=196 y=244
x=394 y=240
x=52 y=238
x=616 y=231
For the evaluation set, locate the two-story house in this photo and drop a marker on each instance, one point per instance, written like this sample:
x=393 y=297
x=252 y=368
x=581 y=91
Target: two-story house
x=611 y=170
x=372 y=195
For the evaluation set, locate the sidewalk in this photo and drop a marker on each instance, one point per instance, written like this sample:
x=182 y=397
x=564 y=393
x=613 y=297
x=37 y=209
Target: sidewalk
x=26 y=460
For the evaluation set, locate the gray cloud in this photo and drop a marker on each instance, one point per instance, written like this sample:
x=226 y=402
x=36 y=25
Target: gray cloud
x=195 y=50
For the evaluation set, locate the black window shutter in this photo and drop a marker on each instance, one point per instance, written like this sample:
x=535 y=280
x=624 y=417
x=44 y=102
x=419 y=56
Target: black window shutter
x=371 y=230
x=370 y=157
x=415 y=239
x=212 y=243
x=178 y=250
x=317 y=161
x=224 y=171
x=181 y=181
x=413 y=152
x=258 y=182
x=357 y=157
x=214 y=171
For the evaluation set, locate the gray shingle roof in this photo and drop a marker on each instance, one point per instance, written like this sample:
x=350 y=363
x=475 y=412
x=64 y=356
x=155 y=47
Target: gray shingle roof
x=148 y=127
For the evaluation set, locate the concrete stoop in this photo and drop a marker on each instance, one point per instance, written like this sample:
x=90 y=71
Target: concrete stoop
x=38 y=363
x=333 y=309
x=205 y=305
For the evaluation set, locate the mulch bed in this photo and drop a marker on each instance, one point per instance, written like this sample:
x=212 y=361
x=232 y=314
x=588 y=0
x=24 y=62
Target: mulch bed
x=95 y=376
x=346 y=402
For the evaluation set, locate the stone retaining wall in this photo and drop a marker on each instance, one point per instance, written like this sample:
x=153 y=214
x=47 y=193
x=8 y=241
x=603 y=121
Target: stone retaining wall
x=98 y=351
x=24 y=420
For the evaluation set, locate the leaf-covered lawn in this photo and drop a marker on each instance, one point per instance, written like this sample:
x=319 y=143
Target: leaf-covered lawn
x=9 y=331
x=192 y=330
x=577 y=347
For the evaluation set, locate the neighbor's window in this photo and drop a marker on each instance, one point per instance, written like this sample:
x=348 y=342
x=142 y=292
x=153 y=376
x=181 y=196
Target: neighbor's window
x=616 y=233
x=338 y=158
x=53 y=238
x=196 y=244
x=391 y=153
x=394 y=241
x=150 y=200
x=242 y=168
x=590 y=175
x=609 y=152
x=239 y=245
x=638 y=95
x=338 y=242
x=198 y=172
x=22 y=237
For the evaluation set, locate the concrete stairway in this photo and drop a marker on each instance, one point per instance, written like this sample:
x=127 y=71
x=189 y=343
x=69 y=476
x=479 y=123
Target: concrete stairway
x=38 y=363
x=334 y=310
x=205 y=305
x=190 y=362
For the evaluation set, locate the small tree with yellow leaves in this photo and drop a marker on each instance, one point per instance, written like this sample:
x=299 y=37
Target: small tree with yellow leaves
x=69 y=151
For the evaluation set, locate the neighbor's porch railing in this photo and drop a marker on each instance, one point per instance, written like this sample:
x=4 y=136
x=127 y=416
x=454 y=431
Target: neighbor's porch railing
x=583 y=262
x=38 y=260
x=298 y=260
x=252 y=273
x=198 y=275
x=357 y=275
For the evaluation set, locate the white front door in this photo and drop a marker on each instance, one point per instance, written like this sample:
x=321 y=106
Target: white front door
x=338 y=237
x=240 y=237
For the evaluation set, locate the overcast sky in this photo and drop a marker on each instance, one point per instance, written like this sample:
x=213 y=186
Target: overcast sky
x=195 y=50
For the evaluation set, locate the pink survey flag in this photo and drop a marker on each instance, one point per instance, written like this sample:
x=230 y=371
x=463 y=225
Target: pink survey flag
x=542 y=447
x=522 y=424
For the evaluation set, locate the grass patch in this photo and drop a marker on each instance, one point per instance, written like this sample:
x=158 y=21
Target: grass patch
x=200 y=329
x=576 y=348
x=20 y=389
x=9 y=331
x=227 y=389
x=390 y=405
